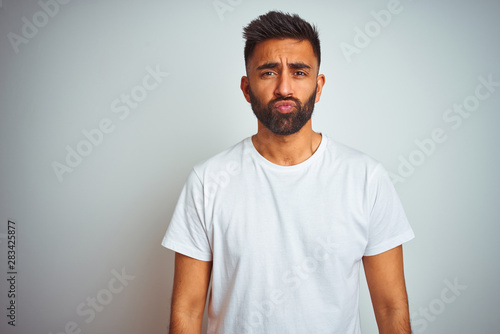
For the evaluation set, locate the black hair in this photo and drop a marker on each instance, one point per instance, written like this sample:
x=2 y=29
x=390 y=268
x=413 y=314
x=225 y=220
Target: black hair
x=276 y=24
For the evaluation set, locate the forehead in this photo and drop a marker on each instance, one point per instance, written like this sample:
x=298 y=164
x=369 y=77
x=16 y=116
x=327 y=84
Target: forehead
x=286 y=50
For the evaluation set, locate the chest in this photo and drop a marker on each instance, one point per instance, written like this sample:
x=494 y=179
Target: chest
x=262 y=223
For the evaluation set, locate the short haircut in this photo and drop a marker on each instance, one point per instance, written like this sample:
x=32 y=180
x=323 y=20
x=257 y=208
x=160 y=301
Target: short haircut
x=276 y=24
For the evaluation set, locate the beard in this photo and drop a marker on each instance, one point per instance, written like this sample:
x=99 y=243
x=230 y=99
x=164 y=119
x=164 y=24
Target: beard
x=283 y=124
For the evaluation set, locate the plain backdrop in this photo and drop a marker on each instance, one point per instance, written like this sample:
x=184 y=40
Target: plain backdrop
x=88 y=231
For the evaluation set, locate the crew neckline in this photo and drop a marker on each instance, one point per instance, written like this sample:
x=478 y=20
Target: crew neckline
x=304 y=164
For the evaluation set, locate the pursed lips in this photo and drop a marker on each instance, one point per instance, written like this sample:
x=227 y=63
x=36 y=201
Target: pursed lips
x=284 y=107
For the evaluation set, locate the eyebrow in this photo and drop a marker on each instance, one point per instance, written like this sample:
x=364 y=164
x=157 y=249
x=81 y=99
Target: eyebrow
x=269 y=65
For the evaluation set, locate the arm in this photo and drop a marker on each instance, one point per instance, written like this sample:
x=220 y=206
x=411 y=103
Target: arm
x=386 y=282
x=189 y=294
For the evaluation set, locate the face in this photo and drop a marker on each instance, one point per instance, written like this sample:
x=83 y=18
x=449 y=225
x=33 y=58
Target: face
x=283 y=115
x=282 y=85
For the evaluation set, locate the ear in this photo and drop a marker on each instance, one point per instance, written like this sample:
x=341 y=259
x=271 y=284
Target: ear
x=320 y=81
x=245 y=88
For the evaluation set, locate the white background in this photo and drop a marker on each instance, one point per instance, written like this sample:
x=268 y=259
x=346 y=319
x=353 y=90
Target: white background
x=111 y=211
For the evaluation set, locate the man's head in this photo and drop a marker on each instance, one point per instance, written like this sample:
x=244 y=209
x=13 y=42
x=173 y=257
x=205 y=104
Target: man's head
x=282 y=57
x=278 y=25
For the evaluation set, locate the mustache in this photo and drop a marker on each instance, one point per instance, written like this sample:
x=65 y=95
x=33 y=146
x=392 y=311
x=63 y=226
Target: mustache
x=289 y=98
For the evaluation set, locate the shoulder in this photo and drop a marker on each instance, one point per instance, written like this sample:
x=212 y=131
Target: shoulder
x=345 y=158
x=228 y=161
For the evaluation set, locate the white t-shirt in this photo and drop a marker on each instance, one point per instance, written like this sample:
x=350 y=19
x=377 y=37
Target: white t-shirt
x=286 y=241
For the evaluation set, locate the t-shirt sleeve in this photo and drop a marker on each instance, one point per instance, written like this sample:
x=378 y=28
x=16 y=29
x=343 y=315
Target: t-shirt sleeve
x=389 y=226
x=187 y=232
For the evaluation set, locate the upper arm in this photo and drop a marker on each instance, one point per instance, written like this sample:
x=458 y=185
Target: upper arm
x=191 y=280
x=385 y=277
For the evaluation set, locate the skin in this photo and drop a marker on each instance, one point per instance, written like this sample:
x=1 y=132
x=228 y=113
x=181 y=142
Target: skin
x=282 y=81
x=189 y=294
x=384 y=272
x=386 y=281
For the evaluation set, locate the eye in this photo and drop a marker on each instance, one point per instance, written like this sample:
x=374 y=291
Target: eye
x=267 y=74
x=300 y=73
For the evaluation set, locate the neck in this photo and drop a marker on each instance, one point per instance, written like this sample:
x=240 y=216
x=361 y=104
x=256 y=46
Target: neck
x=287 y=150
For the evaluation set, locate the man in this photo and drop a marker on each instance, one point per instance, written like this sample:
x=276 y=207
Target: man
x=282 y=220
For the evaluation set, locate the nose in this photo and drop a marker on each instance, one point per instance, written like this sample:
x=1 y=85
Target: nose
x=284 y=86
